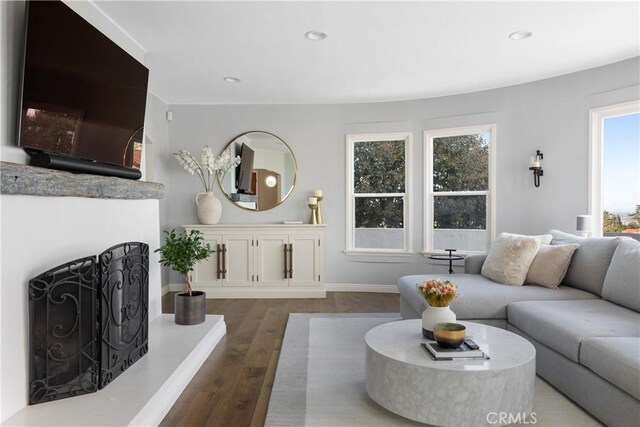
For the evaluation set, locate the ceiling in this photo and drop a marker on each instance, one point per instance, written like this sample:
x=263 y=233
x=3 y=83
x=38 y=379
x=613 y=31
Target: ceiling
x=375 y=51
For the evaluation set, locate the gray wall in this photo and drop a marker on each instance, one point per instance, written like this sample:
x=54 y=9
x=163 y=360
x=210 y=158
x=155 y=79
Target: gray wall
x=550 y=115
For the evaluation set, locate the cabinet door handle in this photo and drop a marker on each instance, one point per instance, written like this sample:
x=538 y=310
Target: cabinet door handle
x=218 y=261
x=286 y=270
x=224 y=260
x=290 y=260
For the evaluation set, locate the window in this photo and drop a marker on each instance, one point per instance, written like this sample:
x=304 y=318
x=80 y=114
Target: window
x=459 y=188
x=615 y=170
x=378 y=205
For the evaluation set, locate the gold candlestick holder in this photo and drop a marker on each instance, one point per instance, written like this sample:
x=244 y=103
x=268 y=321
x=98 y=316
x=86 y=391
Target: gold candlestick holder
x=314 y=219
x=318 y=211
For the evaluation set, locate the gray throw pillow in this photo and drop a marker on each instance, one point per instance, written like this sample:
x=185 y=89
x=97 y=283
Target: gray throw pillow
x=550 y=265
x=590 y=262
x=622 y=283
x=509 y=258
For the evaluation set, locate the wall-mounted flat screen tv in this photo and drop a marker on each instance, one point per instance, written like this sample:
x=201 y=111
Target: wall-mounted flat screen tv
x=82 y=95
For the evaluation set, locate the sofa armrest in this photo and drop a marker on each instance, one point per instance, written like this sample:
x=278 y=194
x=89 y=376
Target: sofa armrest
x=473 y=263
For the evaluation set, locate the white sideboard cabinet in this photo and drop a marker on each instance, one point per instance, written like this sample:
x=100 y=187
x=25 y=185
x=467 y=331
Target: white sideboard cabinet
x=262 y=261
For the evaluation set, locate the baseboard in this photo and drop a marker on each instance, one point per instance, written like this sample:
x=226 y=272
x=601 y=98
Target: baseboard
x=174 y=287
x=287 y=292
x=255 y=292
x=356 y=287
x=165 y=290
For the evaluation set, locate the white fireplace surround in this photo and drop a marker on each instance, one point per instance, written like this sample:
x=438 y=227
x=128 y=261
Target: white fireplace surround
x=39 y=233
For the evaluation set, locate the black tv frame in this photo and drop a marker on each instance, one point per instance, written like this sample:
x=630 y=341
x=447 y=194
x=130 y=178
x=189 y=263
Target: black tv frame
x=58 y=161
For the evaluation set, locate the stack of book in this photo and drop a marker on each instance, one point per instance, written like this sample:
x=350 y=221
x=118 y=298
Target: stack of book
x=463 y=352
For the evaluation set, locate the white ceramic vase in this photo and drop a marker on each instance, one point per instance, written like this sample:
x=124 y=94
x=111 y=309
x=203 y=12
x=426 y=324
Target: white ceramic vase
x=433 y=315
x=208 y=207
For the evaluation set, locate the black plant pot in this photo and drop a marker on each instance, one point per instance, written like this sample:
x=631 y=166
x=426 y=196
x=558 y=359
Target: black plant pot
x=190 y=310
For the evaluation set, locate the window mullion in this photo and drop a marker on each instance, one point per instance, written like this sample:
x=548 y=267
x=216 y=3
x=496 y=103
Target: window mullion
x=460 y=193
x=379 y=194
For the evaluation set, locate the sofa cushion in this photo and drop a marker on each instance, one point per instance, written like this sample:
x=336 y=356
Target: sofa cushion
x=550 y=265
x=482 y=298
x=622 y=282
x=617 y=360
x=563 y=325
x=509 y=258
x=590 y=262
x=473 y=263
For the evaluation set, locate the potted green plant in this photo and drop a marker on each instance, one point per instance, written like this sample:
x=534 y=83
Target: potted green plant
x=181 y=252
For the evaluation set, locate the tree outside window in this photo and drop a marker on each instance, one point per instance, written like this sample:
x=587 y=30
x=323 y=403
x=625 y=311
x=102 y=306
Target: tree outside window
x=457 y=188
x=377 y=211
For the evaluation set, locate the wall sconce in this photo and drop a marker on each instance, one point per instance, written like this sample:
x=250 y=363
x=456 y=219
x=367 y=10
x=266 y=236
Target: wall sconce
x=536 y=166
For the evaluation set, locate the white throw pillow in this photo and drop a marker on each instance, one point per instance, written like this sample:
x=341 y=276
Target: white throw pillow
x=509 y=258
x=550 y=265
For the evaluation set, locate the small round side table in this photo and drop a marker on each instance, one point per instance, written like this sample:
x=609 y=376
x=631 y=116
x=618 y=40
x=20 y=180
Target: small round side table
x=450 y=257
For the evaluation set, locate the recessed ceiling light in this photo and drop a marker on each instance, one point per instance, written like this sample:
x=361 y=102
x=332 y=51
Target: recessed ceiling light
x=519 y=35
x=230 y=79
x=315 y=35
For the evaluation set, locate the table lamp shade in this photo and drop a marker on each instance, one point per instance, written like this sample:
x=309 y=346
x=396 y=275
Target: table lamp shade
x=584 y=223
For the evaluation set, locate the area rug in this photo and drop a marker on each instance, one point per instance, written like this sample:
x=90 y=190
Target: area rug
x=320 y=378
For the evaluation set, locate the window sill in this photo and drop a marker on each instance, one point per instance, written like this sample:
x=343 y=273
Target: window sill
x=388 y=253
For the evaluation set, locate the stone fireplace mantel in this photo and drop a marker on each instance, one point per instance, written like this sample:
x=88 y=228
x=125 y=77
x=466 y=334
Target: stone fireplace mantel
x=35 y=181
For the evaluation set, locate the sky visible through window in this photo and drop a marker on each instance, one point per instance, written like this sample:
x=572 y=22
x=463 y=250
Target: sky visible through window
x=621 y=164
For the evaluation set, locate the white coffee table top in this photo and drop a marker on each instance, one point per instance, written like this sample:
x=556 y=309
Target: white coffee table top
x=401 y=341
x=403 y=378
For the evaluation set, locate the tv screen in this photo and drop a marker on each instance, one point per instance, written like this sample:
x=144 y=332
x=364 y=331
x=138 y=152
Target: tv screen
x=245 y=170
x=82 y=95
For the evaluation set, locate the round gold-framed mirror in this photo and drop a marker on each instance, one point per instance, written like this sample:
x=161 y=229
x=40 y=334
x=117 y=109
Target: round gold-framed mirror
x=266 y=175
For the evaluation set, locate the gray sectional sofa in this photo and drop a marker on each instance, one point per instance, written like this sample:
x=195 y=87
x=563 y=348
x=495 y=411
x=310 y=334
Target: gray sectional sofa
x=586 y=332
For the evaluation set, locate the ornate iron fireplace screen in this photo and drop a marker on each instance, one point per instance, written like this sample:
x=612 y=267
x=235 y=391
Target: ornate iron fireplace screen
x=88 y=322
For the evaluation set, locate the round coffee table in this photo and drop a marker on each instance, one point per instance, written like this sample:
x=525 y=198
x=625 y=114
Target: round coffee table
x=403 y=378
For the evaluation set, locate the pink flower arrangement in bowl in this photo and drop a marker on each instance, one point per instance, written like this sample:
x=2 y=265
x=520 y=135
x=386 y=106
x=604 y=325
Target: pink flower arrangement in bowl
x=438 y=293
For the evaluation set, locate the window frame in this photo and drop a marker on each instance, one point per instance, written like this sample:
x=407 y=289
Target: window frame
x=351 y=140
x=597 y=117
x=429 y=194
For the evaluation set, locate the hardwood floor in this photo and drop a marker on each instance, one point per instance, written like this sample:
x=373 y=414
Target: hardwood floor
x=233 y=386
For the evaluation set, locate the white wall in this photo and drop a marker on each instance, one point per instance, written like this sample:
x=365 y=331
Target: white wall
x=40 y=233
x=156 y=132
x=550 y=115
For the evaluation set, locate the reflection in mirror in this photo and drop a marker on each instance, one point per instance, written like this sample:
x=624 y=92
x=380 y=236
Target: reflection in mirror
x=133 y=156
x=266 y=174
